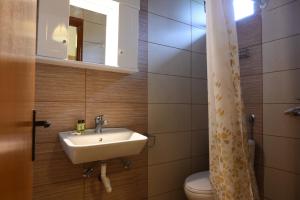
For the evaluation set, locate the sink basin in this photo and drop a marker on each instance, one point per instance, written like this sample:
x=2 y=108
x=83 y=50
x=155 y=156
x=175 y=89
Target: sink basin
x=111 y=143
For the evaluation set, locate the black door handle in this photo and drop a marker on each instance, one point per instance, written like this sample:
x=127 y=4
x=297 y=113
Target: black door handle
x=35 y=124
x=44 y=124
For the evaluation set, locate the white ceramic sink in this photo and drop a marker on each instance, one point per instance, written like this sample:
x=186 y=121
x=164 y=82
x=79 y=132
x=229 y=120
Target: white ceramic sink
x=111 y=143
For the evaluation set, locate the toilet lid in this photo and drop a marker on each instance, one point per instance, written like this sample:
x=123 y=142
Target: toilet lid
x=199 y=183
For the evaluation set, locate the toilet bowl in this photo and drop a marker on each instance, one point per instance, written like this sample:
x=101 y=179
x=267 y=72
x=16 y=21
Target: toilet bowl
x=198 y=187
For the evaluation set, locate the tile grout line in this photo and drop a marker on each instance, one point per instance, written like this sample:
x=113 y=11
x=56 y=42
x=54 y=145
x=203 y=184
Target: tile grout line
x=181 y=22
x=282 y=137
x=283 y=170
x=282 y=5
x=165 y=45
x=281 y=38
x=179 y=76
x=283 y=70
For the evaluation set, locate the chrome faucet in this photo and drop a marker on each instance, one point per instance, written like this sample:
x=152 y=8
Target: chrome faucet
x=99 y=123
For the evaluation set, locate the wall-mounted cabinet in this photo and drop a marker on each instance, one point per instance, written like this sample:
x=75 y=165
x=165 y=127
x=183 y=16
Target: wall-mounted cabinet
x=68 y=30
x=128 y=37
x=53 y=22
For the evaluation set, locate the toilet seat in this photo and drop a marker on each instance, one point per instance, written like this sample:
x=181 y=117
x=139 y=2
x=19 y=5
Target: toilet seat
x=199 y=184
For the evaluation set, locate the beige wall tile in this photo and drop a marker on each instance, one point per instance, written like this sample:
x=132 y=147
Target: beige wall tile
x=281 y=87
x=281 y=22
x=167 y=60
x=281 y=54
x=198 y=40
x=253 y=64
x=69 y=190
x=199 y=117
x=277 y=3
x=168 y=32
x=200 y=163
x=167 y=177
x=259 y=173
x=249 y=31
x=198 y=14
x=56 y=83
x=259 y=153
x=167 y=149
x=168 y=89
x=132 y=116
x=143 y=56
x=252 y=89
x=174 y=9
x=169 y=117
x=200 y=143
x=55 y=167
x=120 y=177
x=134 y=190
x=199 y=65
x=174 y=195
x=282 y=153
x=199 y=91
x=126 y=88
x=63 y=117
x=279 y=185
x=46 y=151
x=115 y=166
x=143 y=22
x=279 y=124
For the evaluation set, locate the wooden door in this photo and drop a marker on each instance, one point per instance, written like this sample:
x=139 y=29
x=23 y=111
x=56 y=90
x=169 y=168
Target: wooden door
x=17 y=71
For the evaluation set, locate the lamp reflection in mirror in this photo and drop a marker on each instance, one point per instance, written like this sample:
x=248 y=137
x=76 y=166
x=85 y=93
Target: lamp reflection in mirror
x=109 y=8
x=59 y=33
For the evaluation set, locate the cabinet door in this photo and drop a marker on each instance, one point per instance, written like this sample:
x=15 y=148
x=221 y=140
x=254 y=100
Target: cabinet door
x=53 y=22
x=128 y=36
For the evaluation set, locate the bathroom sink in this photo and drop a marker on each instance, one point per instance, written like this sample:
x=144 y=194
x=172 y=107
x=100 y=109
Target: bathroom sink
x=111 y=143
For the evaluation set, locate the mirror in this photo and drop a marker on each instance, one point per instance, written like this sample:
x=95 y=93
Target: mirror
x=97 y=23
x=86 y=35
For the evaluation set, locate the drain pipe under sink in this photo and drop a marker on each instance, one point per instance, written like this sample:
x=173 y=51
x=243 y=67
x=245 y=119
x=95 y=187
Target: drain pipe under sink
x=105 y=180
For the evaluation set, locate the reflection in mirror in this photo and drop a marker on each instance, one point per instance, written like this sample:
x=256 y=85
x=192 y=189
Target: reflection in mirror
x=86 y=36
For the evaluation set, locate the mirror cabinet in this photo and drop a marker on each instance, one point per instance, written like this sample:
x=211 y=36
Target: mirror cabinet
x=97 y=32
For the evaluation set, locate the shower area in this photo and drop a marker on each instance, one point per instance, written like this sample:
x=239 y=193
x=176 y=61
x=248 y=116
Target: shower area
x=268 y=41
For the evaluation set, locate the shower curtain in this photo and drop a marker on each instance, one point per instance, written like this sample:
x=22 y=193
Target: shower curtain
x=231 y=173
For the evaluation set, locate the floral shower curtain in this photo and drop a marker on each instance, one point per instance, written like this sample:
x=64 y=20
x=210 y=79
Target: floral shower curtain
x=231 y=172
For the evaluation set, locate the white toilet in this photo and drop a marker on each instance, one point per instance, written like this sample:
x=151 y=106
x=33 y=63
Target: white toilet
x=197 y=186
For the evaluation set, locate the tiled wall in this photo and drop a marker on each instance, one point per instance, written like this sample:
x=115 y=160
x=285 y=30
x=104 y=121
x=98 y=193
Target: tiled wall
x=281 y=81
x=250 y=37
x=177 y=96
x=64 y=95
x=168 y=99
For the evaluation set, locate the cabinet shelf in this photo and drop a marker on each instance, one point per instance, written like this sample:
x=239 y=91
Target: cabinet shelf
x=83 y=65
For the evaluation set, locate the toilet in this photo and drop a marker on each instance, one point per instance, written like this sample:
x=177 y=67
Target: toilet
x=198 y=187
